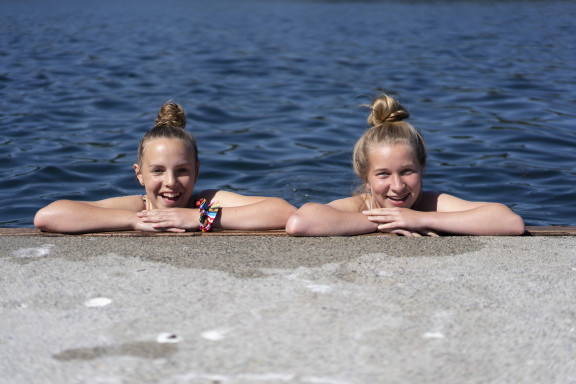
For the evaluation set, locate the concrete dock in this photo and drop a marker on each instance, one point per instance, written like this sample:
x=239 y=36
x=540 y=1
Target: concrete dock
x=268 y=308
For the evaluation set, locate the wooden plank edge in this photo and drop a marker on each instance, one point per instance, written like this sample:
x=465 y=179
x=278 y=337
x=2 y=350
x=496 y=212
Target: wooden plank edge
x=550 y=231
x=34 y=232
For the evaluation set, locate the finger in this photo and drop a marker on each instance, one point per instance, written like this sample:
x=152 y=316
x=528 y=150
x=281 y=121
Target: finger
x=406 y=233
x=176 y=230
x=401 y=232
x=166 y=227
x=385 y=228
x=376 y=211
x=380 y=219
x=392 y=225
x=156 y=218
x=147 y=228
x=163 y=225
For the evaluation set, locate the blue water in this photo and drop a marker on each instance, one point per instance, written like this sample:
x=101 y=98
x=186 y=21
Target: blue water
x=272 y=90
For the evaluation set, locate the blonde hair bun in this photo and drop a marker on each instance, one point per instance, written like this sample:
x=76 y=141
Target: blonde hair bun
x=386 y=109
x=170 y=124
x=171 y=114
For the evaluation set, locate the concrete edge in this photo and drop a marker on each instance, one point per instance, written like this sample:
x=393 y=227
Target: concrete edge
x=34 y=232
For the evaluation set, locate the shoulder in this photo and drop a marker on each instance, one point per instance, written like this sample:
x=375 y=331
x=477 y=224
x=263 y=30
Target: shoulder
x=130 y=203
x=356 y=203
x=227 y=198
x=444 y=202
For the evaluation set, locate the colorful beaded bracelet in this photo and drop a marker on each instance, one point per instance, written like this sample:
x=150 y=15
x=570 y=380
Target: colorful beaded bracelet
x=208 y=214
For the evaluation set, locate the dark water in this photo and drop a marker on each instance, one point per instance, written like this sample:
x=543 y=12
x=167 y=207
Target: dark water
x=272 y=90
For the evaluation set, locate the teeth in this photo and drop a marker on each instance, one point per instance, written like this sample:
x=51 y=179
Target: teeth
x=170 y=195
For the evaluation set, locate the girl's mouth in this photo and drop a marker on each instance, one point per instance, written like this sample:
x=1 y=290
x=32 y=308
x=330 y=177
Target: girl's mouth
x=170 y=198
x=398 y=200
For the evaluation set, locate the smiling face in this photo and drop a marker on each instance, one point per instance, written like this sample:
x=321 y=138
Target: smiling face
x=394 y=176
x=168 y=171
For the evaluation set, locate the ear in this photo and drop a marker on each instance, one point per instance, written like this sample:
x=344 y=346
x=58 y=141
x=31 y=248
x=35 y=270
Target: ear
x=138 y=174
x=368 y=187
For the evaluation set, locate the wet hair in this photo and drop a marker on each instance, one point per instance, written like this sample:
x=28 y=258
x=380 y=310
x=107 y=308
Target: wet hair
x=387 y=127
x=170 y=124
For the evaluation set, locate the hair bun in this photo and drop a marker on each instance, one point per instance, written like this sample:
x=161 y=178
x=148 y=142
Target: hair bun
x=171 y=114
x=386 y=109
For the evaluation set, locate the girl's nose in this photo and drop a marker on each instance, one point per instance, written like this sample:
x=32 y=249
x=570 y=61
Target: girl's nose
x=169 y=179
x=396 y=182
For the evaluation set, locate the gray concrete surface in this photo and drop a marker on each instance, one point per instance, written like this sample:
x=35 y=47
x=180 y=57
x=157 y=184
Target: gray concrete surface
x=287 y=310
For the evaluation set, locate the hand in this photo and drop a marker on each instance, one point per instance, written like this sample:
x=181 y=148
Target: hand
x=171 y=220
x=407 y=233
x=401 y=221
x=139 y=225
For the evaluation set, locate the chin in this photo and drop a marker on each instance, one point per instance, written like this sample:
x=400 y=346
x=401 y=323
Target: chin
x=407 y=204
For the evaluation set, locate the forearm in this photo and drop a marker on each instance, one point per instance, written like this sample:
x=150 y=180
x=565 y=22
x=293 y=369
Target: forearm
x=67 y=216
x=315 y=219
x=488 y=220
x=271 y=213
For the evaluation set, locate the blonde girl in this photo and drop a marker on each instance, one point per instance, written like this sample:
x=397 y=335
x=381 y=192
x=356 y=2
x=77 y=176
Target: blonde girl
x=389 y=158
x=167 y=167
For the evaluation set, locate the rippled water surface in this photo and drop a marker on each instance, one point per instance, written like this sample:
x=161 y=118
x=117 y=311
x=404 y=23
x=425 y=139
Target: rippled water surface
x=272 y=90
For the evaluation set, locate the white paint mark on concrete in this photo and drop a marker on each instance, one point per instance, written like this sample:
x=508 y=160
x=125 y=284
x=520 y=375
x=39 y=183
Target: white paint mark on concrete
x=433 y=335
x=215 y=334
x=36 y=252
x=188 y=377
x=440 y=319
x=319 y=288
x=168 y=338
x=285 y=377
x=97 y=302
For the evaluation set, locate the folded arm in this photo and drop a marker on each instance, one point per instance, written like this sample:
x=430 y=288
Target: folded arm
x=236 y=212
x=441 y=213
x=451 y=216
x=338 y=218
x=252 y=212
x=115 y=214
